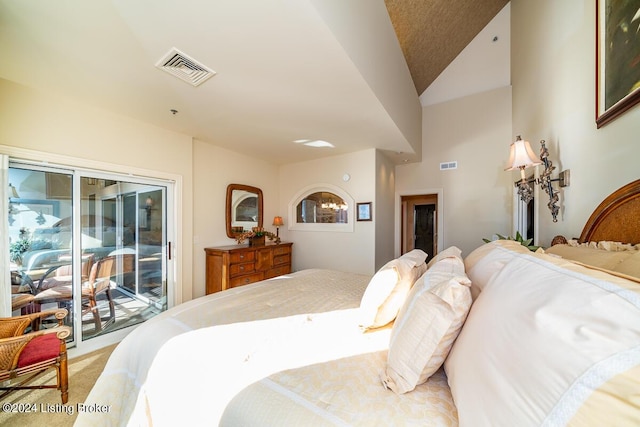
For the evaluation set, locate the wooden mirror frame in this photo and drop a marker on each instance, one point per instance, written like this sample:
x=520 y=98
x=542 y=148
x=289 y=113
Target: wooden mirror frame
x=228 y=213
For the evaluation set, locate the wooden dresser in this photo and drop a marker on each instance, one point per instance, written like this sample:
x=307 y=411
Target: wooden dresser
x=237 y=265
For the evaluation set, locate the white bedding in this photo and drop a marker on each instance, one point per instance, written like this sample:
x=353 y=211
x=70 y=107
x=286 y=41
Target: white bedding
x=184 y=366
x=343 y=392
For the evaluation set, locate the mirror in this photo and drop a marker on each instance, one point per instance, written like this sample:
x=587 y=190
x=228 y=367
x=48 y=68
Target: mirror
x=244 y=208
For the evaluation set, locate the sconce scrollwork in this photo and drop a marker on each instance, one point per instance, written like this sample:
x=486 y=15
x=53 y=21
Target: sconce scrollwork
x=522 y=157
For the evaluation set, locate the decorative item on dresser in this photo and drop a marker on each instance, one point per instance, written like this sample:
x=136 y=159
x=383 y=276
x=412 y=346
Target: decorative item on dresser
x=237 y=265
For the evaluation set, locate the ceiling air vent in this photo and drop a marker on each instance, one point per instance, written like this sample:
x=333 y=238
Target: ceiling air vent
x=448 y=166
x=184 y=67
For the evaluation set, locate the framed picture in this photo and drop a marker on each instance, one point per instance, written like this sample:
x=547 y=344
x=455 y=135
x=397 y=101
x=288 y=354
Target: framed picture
x=363 y=211
x=617 y=54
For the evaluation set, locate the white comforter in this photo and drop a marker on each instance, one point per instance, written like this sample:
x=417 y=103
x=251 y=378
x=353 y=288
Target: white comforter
x=185 y=365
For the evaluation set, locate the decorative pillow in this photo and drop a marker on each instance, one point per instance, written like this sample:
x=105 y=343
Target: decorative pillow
x=427 y=324
x=389 y=287
x=606 y=245
x=549 y=342
x=591 y=255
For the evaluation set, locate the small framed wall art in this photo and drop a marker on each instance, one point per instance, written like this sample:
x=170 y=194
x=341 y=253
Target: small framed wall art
x=363 y=211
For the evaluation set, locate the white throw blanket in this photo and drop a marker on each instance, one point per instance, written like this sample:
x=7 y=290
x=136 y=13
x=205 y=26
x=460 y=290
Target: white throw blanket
x=185 y=365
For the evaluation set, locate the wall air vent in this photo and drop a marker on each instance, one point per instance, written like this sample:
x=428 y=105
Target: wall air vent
x=184 y=67
x=448 y=166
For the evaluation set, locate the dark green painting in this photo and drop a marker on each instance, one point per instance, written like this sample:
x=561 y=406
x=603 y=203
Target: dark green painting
x=619 y=56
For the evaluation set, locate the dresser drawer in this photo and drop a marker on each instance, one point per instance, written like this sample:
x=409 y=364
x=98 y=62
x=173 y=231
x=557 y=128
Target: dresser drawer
x=278 y=271
x=282 y=259
x=240 y=269
x=282 y=250
x=246 y=279
x=244 y=256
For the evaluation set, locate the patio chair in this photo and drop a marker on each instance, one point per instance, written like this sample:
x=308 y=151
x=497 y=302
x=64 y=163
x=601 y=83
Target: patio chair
x=99 y=282
x=25 y=356
x=62 y=274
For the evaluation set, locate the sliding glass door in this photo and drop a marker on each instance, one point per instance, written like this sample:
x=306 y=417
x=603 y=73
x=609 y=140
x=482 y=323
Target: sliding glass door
x=95 y=244
x=40 y=246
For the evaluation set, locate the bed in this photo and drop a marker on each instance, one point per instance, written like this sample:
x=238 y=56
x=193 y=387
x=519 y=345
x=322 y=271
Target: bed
x=503 y=336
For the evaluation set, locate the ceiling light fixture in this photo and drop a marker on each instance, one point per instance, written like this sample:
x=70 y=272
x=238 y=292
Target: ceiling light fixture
x=317 y=143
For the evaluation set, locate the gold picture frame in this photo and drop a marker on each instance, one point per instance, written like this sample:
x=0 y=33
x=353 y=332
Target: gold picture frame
x=617 y=53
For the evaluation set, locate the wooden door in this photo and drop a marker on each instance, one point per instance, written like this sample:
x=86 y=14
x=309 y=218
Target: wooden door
x=420 y=223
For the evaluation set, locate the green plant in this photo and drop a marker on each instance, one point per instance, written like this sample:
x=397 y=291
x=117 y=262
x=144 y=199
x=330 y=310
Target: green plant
x=519 y=239
x=18 y=248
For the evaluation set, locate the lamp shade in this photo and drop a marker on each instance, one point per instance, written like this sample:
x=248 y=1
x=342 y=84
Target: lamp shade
x=13 y=192
x=521 y=155
x=277 y=221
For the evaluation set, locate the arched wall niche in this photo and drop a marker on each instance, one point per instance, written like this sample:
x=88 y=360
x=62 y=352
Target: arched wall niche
x=322 y=207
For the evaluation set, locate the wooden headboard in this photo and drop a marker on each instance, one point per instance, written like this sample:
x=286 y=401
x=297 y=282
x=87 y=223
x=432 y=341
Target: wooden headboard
x=617 y=218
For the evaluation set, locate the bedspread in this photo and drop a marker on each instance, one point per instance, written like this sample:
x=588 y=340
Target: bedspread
x=185 y=365
x=342 y=392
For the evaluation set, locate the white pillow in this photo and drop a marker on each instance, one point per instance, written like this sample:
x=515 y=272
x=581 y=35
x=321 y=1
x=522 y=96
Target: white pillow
x=451 y=251
x=487 y=260
x=389 y=287
x=427 y=324
x=549 y=342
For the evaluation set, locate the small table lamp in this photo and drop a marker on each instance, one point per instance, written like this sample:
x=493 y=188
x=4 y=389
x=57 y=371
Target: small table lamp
x=278 y=222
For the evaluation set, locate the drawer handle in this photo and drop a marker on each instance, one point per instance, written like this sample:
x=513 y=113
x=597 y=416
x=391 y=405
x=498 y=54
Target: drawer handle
x=241 y=256
x=246 y=281
x=242 y=267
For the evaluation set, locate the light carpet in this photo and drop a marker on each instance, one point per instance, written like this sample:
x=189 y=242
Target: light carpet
x=44 y=407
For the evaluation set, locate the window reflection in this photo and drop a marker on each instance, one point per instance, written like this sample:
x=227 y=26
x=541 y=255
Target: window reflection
x=122 y=225
x=322 y=207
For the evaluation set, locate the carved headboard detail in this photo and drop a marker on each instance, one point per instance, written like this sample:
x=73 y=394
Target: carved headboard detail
x=617 y=218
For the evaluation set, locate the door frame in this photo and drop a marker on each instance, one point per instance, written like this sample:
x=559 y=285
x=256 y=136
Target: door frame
x=438 y=192
x=410 y=205
x=103 y=169
x=519 y=211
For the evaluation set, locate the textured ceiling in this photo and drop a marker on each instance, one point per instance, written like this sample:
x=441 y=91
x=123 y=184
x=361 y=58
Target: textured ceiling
x=433 y=32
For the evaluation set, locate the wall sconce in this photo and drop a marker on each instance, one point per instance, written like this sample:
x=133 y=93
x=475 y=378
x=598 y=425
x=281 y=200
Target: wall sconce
x=278 y=222
x=13 y=192
x=148 y=204
x=521 y=157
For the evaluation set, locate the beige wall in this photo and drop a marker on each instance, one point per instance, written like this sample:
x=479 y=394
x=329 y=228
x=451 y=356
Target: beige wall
x=365 y=31
x=475 y=131
x=347 y=251
x=553 y=72
x=553 y=99
x=383 y=210
x=62 y=131
x=213 y=169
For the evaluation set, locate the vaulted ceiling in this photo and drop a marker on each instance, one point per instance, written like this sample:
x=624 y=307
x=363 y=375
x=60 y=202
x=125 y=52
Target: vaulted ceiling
x=433 y=32
x=285 y=70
